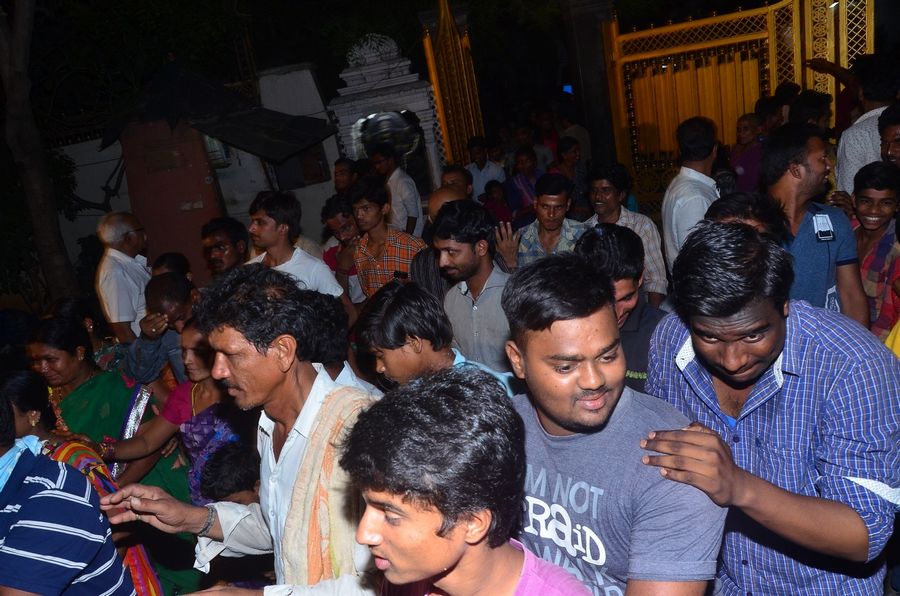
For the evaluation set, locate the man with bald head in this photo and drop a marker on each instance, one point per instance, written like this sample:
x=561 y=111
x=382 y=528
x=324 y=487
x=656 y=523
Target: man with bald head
x=123 y=273
x=424 y=269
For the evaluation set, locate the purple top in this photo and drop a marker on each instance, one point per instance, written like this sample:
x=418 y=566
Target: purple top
x=538 y=578
x=202 y=436
x=747 y=167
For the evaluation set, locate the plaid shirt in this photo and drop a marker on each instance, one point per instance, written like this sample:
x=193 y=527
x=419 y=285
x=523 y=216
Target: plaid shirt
x=530 y=248
x=654 y=265
x=398 y=252
x=825 y=413
x=880 y=269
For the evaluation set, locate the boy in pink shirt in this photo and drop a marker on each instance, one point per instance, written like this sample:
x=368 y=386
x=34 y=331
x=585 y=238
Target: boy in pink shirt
x=441 y=465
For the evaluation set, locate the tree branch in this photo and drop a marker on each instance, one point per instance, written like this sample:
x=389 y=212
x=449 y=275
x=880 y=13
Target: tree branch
x=23 y=27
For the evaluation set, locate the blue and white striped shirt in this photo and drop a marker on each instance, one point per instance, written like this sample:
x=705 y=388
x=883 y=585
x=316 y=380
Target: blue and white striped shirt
x=826 y=411
x=53 y=537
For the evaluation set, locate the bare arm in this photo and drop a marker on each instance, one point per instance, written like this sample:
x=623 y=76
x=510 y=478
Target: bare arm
x=853 y=298
x=154 y=506
x=638 y=587
x=699 y=457
x=122 y=332
x=155 y=434
x=4 y=591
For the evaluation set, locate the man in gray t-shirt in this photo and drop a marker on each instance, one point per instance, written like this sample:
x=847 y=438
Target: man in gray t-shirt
x=591 y=506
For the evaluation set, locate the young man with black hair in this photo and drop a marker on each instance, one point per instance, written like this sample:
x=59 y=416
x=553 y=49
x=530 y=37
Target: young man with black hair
x=274 y=228
x=384 y=253
x=693 y=190
x=796 y=417
x=889 y=129
x=443 y=491
x=53 y=537
x=410 y=335
x=879 y=81
x=590 y=505
x=794 y=169
x=406 y=204
x=424 y=269
x=337 y=216
x=551 y=232
x=225 y=244
x=811 y=107
x=876 y=198
x=260 y=327
x=609 y=186
x=464 y=241
x=482 y=169
x=618 y=251
x=170 y=303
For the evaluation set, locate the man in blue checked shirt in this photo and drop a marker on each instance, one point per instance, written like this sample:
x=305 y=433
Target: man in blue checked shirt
x=797 y=420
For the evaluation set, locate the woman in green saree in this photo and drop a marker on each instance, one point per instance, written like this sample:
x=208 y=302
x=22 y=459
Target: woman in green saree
x=106 y=405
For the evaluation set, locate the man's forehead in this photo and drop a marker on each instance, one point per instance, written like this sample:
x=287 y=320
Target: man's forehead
x=891 y=132
x=216 y=238
x=756 y=314
x=553 y=199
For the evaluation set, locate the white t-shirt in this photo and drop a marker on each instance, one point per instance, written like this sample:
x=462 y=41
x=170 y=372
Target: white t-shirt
x=405 y=202
x=311 y=273
x=687 y=198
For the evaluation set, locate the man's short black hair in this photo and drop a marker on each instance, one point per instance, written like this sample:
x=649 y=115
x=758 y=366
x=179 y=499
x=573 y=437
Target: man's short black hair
x=751 y=206
x=889 y=117
x=617 y=175
x=399 y=311
x=452 y=442
x=281 y=206
x=786 y=91
x=345 y=161
x=766 y=107
x=233 y=468
x=566 y=144
x=525 y=151
x=454 y=168
x=878 y=175
x=261 y=304
x=785 y=147
x=334 y=206
x=559 y=287
x=174 y=262
x=329 y=341
x=615 y=249
x=466 y=222
x=723 y=267
x=235 y=230
x=477 y=143
x=553 y=185
x=371 y=189
x=696 y=138
x=385 y=150
x=167 y=288
x=810 y=105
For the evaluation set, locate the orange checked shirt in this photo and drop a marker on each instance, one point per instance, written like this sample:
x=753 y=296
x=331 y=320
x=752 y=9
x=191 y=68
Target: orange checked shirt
x=376 y=270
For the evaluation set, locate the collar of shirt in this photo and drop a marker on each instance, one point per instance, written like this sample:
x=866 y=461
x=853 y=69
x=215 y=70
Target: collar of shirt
x=321 y=387
x=121 y=257
x=698 y=176
x=571 y=229
x=870 y=114
x=497 y=279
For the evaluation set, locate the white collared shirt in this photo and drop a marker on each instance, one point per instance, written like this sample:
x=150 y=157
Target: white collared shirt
x=120 y=286
x=311 y=273
x=860 y=145
x=687 y=198
x=259 y=529
x=480 y=178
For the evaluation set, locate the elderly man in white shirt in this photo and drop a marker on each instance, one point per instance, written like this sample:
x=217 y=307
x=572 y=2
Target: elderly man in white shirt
x=693 y=190
x=259 y=326
x=123 y=273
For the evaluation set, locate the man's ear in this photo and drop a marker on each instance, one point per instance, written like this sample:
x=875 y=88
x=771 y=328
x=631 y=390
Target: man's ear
x=481 y=248
x=477 y=526
x=415 y=344
x=794 y=169
x=285 y=348
x=516 y=358
x=787 y=308
x=195 y=296
x=79 y=352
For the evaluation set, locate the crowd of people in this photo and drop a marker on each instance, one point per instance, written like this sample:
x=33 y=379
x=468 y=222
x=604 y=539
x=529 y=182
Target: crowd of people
x=518 y=386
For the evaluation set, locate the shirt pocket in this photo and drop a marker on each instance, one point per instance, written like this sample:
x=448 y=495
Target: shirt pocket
x=790 y=469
